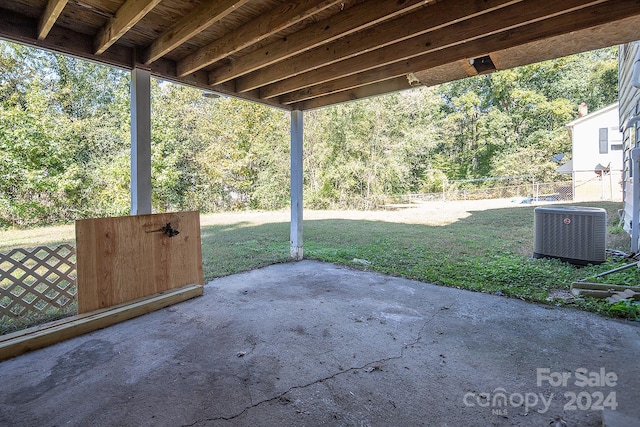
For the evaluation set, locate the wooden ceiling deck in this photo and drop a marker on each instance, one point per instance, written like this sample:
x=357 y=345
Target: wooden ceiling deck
x=304 y=54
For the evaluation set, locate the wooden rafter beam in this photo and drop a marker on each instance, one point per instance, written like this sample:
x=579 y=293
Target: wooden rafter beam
x=198 y=20
x=20 y=29
x=278 y=19
x=379 y=88
x=563 y=24
x=450 y=37
x=49 y=17
x=126 y=17
x=353 y=19
x=402 y=28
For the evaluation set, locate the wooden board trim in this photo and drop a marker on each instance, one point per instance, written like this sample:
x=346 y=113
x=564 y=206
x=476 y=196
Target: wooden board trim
x=18 y=343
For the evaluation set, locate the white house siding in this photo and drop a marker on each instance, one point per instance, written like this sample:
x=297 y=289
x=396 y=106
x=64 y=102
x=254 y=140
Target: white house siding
x=597 y=145
x=629 y=106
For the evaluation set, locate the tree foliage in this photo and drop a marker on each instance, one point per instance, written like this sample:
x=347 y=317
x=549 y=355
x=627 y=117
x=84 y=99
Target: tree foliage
x=65 y=141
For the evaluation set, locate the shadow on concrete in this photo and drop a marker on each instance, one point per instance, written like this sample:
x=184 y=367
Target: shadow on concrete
x=312 y=343
x=242 y=246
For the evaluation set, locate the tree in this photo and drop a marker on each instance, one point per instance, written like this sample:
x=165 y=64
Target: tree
x=64 y=138
x=244 y=162
x=61 y=121
x=494 y=124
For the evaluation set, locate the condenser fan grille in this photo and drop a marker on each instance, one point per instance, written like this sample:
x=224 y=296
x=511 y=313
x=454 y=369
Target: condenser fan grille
x=570 y=233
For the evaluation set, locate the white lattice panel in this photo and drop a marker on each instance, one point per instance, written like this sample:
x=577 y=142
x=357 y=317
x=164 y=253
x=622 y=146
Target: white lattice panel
x=33 y=280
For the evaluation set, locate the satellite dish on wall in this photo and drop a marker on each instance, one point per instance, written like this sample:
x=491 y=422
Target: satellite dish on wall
x=601 y=170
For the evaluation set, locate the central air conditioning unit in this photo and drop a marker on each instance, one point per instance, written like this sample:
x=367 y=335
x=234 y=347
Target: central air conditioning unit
x=573 y=234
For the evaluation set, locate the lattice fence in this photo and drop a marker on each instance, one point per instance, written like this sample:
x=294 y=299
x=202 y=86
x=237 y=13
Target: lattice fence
x=33 y=281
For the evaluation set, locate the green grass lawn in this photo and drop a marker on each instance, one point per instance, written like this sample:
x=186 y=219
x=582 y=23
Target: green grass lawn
x=487 y=251
x=481 y=250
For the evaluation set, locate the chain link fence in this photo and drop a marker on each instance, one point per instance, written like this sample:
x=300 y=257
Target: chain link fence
x=587 y=186
x=597 y=185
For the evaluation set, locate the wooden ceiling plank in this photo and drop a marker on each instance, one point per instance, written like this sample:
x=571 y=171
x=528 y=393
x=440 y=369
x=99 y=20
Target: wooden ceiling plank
x=514 y=16
x=283 y=16
x=126 y=17
x=380 y=88
x=602 y=13
x=19 y=28
x=348 y=21
x=402 y=28
x=190 y=25
x=50 y=16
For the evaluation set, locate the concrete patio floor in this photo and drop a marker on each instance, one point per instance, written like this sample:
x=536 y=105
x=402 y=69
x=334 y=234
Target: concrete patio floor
x=309 y=343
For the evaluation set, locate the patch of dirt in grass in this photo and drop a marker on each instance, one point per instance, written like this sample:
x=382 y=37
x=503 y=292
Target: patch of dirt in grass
x=560 y=295
x=428 y=213
x=435 y=213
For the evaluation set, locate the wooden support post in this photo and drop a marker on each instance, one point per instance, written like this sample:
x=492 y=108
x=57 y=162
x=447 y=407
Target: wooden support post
x=296 y=184
x=140 y=142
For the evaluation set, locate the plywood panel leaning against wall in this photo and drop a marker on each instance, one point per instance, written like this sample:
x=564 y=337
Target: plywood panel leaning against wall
x=124 y=258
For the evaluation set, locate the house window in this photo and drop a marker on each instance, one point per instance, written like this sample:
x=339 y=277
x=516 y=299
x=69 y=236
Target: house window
x=604 y=140
x=616 y=147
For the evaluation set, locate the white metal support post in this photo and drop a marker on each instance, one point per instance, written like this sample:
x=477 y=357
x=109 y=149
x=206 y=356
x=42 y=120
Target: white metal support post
x=296 y=184
x=140 y=142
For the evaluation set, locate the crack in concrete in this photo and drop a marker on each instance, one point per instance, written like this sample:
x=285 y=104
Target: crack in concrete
x=247 y=385
x=254 y=344
x=297 y=387
x=327 y=378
